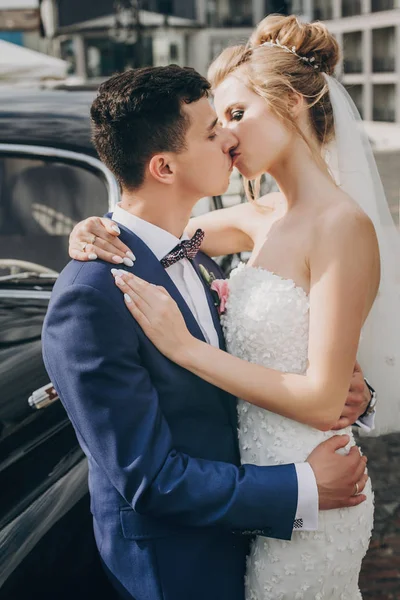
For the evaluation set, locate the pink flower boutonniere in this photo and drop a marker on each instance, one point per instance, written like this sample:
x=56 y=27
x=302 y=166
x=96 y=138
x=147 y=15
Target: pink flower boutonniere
x=219 y=289
x=221 y=286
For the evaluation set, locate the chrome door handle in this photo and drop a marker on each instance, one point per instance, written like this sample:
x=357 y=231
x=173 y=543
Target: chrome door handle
x=43 y=397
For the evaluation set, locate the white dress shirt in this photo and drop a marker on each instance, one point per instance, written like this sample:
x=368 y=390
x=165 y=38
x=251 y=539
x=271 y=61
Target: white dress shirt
x=191 y=288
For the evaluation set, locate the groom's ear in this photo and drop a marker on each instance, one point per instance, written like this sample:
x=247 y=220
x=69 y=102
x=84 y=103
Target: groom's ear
x=162 y=168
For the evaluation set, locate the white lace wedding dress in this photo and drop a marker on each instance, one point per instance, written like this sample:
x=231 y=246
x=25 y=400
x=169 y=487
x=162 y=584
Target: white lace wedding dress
x=266 y=322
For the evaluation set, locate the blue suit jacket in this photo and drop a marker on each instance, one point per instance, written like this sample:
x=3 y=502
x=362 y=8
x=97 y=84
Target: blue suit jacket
x=168 y=495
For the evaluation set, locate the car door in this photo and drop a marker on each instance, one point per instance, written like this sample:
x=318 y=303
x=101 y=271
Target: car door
x=43 y=473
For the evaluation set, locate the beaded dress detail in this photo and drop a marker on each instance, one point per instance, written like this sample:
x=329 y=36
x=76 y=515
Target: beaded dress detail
x=266 y=322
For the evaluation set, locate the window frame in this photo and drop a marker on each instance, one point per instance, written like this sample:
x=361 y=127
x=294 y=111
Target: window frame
x=90 y=163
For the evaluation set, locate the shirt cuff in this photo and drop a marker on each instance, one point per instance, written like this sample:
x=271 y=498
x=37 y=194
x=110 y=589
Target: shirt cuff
x=307 y=499
x=367 y=422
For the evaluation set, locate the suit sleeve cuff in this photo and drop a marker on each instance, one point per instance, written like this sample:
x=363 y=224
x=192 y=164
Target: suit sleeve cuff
x=307 y=501
x=367 y=422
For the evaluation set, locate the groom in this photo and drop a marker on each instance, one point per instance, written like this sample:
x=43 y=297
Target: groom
x=173 y=510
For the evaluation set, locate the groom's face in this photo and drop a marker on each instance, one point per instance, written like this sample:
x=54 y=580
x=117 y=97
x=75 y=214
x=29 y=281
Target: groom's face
x=205 y=166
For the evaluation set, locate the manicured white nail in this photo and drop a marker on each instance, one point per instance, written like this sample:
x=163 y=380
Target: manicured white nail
x=119 y=281
x=116 y=228
x=117 y=259
x=130 y=255
x=128 y=262
x=118 y=272
x=128 y=299
x=92 y=256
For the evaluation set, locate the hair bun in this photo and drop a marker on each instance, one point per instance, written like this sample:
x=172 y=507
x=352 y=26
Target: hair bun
x=309 y=39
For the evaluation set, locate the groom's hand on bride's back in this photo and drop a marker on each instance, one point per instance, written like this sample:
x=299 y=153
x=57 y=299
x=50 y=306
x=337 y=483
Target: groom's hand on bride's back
x=340 y=478
x=357 y=401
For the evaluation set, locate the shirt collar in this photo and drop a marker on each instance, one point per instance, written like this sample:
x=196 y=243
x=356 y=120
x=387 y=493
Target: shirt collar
x=159 y=241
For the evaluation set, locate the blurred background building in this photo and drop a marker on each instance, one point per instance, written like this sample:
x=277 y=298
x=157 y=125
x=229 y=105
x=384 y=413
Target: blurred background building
x=369 y=33
x=20 y=24
x=98 y=39
x=102 y=37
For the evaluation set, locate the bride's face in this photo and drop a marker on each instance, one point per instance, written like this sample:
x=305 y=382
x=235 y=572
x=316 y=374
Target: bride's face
x=263 y=138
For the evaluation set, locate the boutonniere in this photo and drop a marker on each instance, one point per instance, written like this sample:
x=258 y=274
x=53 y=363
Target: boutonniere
x=219 y=289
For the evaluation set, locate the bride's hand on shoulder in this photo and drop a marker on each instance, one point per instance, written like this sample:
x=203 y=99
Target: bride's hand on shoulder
x=157 y=314
x=97 y=237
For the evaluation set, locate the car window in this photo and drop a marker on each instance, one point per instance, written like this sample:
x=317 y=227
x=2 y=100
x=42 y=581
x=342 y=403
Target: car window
x=40 y=202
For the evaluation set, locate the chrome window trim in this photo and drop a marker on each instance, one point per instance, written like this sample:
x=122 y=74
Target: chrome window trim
x=33 y=294
x=75 y=157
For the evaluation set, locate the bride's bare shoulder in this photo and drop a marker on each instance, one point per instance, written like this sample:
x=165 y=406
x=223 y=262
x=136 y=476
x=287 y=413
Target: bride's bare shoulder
x=343 y=218
x=340 y=208
x=345 y=236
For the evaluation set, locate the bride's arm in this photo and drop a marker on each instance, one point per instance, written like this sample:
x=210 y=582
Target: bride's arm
x=234 y=229
x=228 y=230
x=344 y=278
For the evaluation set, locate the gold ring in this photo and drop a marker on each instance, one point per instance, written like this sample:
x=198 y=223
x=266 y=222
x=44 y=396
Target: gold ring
x=84 y=246
x=93 y=240
x=357 y=490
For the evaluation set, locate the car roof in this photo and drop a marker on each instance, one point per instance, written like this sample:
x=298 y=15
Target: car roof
x=53 y=118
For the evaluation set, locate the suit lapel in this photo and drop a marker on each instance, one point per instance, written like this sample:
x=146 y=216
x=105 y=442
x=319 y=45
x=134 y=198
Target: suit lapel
x=148 y=267
x=197 y=261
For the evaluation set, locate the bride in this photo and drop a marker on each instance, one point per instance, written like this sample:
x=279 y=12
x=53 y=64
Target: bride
x=296 y=310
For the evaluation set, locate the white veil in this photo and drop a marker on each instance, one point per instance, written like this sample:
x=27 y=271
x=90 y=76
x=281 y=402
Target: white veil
x=352 y=163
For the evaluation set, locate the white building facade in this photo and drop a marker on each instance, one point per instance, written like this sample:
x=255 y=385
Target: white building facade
x=368 y=32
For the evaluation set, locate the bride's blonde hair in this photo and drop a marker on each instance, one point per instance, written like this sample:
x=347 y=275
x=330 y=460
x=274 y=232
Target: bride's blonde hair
x=274 y=73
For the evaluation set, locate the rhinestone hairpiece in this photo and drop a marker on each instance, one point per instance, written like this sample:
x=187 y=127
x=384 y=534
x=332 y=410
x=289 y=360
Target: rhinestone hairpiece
x=292 y=50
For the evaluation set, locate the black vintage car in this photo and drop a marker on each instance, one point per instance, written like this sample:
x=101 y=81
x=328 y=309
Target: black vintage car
x=50 y=178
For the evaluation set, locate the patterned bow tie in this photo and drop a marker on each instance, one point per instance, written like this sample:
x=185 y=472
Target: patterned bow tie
x=186 y=249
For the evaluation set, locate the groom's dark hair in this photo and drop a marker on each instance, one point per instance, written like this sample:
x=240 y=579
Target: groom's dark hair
x=139 y=113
